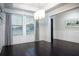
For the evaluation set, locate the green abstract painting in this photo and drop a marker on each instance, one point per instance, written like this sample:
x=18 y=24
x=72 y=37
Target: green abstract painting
x=72 y=23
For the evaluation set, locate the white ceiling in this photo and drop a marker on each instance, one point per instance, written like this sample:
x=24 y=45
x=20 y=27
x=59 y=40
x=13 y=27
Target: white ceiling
x=34 y=6
x=37 y=5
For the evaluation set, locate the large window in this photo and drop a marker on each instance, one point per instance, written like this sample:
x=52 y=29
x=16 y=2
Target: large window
x=16 y=24
x=22 y=25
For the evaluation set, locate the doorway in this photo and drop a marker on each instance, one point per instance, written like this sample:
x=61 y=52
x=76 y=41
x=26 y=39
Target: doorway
x=51 y=30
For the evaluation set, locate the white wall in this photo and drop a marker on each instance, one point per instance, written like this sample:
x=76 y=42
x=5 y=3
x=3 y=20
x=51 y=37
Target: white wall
x=47 y=29
x=43 y=29
x=66 y=33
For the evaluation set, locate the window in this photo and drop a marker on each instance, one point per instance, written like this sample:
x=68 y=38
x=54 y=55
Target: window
x=17 y=29
x=29 y=28
x=29 y=24
x=22 y=25
x=16 y=24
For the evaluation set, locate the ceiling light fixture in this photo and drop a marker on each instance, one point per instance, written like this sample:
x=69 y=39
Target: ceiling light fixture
x=40 y=14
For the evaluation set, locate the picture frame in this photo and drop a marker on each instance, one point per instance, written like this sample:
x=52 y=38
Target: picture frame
x=72 y=23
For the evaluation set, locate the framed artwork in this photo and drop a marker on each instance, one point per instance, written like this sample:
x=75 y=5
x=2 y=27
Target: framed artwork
x=72 y=23
x=29 y=28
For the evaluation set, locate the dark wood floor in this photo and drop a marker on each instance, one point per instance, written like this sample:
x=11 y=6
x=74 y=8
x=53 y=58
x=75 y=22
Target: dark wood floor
x=42 y=48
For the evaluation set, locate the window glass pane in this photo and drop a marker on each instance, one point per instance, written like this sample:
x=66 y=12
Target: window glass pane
x=17 y=30
x=16 y=19
x=28 y=19
x=29 y=28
